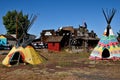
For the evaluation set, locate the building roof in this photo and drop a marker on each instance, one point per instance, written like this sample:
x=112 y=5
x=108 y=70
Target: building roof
x=49 y=32
x=55 y=39
x=90 y=38
x=69 y=28
x=87 y=38
x=9 y=37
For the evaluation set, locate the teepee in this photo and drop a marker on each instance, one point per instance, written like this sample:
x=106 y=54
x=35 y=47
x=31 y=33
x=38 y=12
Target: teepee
x=23 y=52
x=108 y=47
x=3 y=40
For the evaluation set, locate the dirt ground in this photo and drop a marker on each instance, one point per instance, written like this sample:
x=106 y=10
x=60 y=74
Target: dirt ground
x=62 y=66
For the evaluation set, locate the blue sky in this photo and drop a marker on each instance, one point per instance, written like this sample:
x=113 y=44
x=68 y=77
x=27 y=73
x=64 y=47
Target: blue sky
x=53 y=14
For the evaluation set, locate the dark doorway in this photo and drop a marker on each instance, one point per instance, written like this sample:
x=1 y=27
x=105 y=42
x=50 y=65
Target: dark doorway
x=105 y=53
x=16 y=58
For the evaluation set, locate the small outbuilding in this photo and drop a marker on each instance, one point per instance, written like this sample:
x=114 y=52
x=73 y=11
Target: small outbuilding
x=54 y=43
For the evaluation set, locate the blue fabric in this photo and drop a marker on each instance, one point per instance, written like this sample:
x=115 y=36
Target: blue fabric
x=3 y=41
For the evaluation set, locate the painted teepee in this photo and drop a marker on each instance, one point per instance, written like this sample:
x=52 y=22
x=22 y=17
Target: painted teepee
x=108 y=47
x=23 y=52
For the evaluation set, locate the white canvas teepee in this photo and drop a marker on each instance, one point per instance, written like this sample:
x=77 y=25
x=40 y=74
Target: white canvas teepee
x=108 y=47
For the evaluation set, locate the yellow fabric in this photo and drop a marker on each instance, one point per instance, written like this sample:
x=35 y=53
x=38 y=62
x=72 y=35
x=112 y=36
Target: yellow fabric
x=2 y=37
x=29 y=54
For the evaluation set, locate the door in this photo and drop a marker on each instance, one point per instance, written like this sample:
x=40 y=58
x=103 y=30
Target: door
x=105 y=53
x=16 y=58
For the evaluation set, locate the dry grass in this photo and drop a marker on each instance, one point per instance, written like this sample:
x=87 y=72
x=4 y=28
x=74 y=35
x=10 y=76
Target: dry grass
x=63 y=66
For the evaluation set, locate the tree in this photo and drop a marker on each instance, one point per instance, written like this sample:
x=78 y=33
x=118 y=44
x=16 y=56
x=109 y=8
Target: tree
x=14 y=21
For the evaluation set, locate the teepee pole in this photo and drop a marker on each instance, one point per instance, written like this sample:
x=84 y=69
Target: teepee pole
x=109 y=14
x=18 y=60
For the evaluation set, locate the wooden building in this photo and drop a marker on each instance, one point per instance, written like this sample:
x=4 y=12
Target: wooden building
x=46 y=34
x=84 y=38
x=55 y=43
x=79 y=37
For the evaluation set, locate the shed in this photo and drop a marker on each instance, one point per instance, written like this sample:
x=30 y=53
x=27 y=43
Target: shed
x=54 y=43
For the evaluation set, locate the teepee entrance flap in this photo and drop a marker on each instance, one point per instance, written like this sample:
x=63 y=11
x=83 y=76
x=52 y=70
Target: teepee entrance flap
x=16 y=58
x=105 y=53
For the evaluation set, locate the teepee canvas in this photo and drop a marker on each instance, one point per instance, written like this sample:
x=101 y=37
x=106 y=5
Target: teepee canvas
x=108 y=47
x=23 y=52
x=22 y=55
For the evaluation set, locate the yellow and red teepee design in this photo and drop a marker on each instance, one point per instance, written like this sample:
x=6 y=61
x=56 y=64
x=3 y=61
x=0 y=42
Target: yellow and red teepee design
x=23 y=52
x=23 y=55
x=108 y=47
